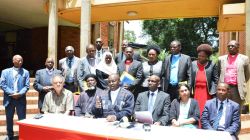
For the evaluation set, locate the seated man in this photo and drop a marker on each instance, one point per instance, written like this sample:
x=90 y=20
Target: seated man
x=86 y=101
x=155 y=101
x=114 y=103
x=59 y=99
x=221 y=114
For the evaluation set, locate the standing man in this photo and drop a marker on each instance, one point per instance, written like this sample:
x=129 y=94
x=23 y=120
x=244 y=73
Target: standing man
x=68 y=66
x=132 y=67
x=120 y=57
x=221 y=113
x=87 y=65
x=43 y=81
x=176 y=68
x=234 y=70
x=86 y=101
x=15 y=83
x=59 y=100
x=114 y=103
x=155 y=101
x=99 y=50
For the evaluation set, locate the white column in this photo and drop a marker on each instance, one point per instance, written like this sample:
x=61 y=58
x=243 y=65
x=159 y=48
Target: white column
x=121 y=36
x=52 y=30
x=248 y=41
x=85 y=35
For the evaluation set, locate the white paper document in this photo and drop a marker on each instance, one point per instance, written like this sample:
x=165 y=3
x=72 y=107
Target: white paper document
x=144 y=117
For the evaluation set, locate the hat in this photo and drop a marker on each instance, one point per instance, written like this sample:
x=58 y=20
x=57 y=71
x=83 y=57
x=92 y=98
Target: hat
x=90 y=75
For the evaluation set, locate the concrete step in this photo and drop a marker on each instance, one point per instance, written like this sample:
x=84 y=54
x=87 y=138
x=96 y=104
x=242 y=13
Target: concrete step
x=244 y=137
x=245 y=127
x=3 y=118
x=30 y=100
x=30 y=93
x=4 y=132
x=31 y=109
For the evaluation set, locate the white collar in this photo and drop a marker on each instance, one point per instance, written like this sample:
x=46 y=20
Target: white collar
x=155 y=92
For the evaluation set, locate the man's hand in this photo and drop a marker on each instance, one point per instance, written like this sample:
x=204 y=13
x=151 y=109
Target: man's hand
x=111 y=118
x=175 y=123
x=47 y=88
x=15 y=95
x=98 y=103
x=157 y=123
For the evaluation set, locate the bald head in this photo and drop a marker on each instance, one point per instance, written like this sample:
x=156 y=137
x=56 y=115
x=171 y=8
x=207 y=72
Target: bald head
x=175 y=47
x=98 y=43
x=17 y=61
x=91 y=50
x=49 y=63
x=69 y=50
x=114 y=82
x=153 y=82
x=233 y=47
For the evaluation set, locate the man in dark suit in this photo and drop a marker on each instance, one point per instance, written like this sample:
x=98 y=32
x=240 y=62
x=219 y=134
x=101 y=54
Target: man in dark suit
x=114 y=103
x=155 y=101
x=133 y=67
x=15 y=83
x=120 y=57
x=176 y=68
x=68 y=66
x=42 y=83
x=221 y=113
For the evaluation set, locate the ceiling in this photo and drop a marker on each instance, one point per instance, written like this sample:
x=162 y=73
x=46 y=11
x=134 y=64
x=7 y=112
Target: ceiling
x=18 y=14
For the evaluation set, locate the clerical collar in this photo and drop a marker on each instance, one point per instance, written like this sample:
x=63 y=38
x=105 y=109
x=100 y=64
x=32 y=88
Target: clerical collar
x=16 y=69
x=128 y=62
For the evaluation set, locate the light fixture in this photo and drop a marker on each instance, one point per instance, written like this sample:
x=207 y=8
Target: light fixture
x=132 y=13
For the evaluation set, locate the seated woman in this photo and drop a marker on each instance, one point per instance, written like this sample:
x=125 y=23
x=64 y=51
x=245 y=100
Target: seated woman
x=106 y=67
x=184 y=112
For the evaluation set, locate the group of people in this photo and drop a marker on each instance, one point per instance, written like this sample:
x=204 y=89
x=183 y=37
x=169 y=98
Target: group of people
x=164 y=88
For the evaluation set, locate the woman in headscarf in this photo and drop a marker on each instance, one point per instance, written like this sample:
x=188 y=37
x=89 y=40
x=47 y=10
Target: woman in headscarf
x=106 y=67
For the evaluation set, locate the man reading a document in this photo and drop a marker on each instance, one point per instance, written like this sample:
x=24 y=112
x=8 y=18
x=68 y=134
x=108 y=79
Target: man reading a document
x=155 y=101
x=114 y=103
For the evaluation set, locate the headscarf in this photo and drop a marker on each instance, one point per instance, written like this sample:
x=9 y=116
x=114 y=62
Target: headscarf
x=107 y=68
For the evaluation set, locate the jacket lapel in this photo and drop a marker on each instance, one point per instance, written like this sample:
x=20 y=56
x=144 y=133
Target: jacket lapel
x=158 y=98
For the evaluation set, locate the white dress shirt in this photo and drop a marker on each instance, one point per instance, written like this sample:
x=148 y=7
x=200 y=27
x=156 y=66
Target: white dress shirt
x=114 y=94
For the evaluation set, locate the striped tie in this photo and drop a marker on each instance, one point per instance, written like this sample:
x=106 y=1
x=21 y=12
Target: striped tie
x=218 y=117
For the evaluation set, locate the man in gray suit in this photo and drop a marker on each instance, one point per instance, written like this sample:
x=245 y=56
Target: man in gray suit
x=176 y=68
x=120 y=57
x=234 y=70
x=134 y=68
x=68 y=66
x=221 y=113
x=87 y=65
x=155 y=101
x=114 y=103
x=43 y=80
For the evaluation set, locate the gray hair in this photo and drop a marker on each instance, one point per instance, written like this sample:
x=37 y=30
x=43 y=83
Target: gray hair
x=59 y=76
x=69 y=48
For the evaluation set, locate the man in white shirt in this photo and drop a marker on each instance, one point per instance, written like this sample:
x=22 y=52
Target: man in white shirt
x=227 y=114
x=114 y=103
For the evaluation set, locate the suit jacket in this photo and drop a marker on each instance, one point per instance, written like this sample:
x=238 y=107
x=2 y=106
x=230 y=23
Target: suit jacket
x=123 y=106
x=211 y=71
x=161 y=106
x=119 y=57
x=135 y=70
x=63 y=66
x=42 y=79
x=193 y=112
x=242 y=63
x=7 y=85
x=232 y=122
x=84 y=69
x=86 y=102
x=184 y=70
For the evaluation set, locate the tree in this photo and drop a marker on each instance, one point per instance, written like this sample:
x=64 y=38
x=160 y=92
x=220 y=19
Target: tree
x=190 y=31
x=129 y=35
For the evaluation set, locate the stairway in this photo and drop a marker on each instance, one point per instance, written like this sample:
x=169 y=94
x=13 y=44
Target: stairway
x=32 y=109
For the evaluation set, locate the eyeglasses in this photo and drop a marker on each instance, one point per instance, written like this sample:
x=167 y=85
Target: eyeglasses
x=231 y=46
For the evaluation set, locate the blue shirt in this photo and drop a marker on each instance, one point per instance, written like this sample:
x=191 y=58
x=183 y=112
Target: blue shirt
x=174 y=69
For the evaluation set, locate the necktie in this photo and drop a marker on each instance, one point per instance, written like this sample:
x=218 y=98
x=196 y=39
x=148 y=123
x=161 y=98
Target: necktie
x=70 y=63
x=98 y=54
x=218 y=116
x=150 y=103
